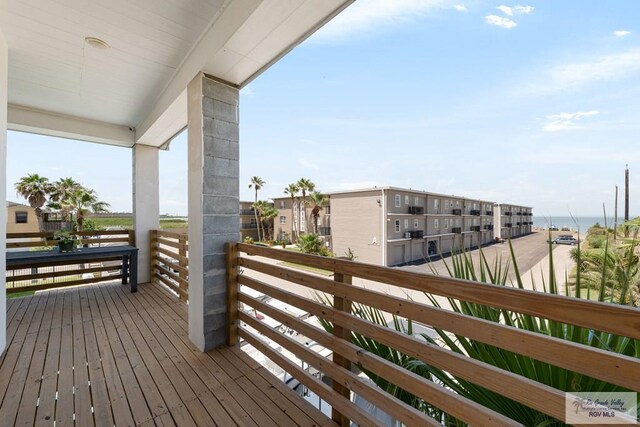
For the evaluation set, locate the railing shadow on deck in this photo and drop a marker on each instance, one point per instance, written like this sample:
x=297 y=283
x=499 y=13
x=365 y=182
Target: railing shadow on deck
x=252 y=267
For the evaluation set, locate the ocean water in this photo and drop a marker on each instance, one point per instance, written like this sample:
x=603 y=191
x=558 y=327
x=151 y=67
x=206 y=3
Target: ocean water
x=581 y=223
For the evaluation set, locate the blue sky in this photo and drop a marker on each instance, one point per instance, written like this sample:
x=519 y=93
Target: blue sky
x=532 y=103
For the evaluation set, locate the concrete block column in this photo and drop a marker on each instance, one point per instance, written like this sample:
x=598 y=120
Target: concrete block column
x=146 y=203
x=213 y=149
x=4 y=73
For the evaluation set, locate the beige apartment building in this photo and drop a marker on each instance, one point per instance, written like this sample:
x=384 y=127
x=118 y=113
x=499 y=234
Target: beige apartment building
x=512 y=220
x=392 y=226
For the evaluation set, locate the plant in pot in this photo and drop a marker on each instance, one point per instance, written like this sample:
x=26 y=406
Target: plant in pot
x=66 y=240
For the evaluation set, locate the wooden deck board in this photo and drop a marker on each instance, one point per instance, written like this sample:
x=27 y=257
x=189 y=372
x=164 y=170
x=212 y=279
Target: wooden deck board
x=99 y=355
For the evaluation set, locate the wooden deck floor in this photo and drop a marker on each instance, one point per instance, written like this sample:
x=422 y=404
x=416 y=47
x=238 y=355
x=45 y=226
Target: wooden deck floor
x=99 y=355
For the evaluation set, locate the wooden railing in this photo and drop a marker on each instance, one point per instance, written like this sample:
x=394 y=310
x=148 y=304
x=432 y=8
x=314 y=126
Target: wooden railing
x=170 y=261
x=39 y=276
x=293 y=287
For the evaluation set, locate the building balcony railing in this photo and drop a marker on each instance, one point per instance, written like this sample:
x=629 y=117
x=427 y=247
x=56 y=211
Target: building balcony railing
x=417 y=234
x=456 y=230
x=416 y=210
x=474 y=228
x=248 y=226
x=488 y=227
x=488 y=213
x=457 y=212
x=474 y=212
x=508 y=225
x=518 y=223
x=247 y=212
x=508 y=213
x=338 y=309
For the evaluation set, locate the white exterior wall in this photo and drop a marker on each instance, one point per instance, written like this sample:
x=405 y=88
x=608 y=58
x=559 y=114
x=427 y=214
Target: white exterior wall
x=146 y=203
x=4 y=71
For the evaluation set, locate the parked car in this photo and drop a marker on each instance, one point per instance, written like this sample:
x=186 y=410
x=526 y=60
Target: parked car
x=553 y=228
x=565 y=240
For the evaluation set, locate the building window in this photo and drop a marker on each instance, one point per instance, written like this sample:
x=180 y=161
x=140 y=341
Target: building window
x=457 y=203
x=416 y=201
x=436 y=205
x=415 y=224
x=406 y=200
x=406 y=224
x=446 y=223
x=397 y=225
x=436 y=224
x=283 y=220
x=457 y=222
x=281 y=204
x=446 y=204
x=253 y=221
x=398 y=201
x=21 y=217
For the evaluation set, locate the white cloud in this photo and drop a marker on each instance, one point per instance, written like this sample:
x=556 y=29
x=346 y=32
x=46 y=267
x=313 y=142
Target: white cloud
x=621 y=33
x=515 y=10
x=505 y=9
x=460 y=8
x=500 y=21
x=366 y=15
x=567 y=121
x=307 y=164
x=576 y=75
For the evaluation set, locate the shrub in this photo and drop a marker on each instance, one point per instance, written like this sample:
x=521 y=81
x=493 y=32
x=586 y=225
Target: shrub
x=311 y=244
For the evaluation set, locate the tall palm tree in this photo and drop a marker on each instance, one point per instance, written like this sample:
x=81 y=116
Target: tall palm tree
x=306 y=186
x=267 y=214
x=60 y=191
x=318 y=201
x=257 y=183
x=35 y=189
x=82 y=200
x=292 y=190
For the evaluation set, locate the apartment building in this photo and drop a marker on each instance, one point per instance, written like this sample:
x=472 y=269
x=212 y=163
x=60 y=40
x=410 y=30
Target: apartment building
x=392 y=226
x=512 y=220
x=299 y=218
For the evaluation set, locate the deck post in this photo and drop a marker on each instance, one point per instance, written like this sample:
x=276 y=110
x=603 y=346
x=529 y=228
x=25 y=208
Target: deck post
x=146 y=203
x=214 y=219
x=4 y=72
x=340 y=332
x=232 y=293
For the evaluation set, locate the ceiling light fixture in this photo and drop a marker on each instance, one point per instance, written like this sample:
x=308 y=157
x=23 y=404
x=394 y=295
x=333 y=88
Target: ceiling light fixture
x=96 y=43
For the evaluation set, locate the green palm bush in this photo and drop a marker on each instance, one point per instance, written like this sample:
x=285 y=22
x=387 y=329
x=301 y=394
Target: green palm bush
x=461 y=266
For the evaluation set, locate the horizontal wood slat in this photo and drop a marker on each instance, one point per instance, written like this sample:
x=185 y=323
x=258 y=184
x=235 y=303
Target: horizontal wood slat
x=73 y=272
x=63 y=284
x=168 y=267
x=528 y=392
x=607 y=366
x=440 y=397
x=619 y=320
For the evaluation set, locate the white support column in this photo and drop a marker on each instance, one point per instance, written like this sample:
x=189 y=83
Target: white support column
x=4 y=71
x=214 y=220
x=146 y=203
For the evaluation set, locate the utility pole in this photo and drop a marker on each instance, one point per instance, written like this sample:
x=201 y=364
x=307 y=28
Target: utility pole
x=626 y=200
x=615 y=217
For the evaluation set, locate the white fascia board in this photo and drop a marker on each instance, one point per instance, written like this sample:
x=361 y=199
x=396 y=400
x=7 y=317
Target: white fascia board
x=210 y=55
x=221 y=28
x=25 y=119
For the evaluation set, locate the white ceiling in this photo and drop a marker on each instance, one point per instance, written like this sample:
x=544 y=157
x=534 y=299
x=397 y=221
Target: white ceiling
x=156 y=48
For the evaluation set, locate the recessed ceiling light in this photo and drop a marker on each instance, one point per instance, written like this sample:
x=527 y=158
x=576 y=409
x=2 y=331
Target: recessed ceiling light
x=96 y=42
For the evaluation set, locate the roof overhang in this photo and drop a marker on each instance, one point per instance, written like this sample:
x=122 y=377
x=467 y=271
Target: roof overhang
x=135 y=91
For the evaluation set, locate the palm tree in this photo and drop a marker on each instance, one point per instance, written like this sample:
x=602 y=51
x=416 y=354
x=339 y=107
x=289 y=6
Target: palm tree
x=81 y=200
x=259 y=208
x=319 y=201
x=292 y=190
x=35 y=189
x=60 y=191
x=256 y=183
x=306 y=186
x=266 y=214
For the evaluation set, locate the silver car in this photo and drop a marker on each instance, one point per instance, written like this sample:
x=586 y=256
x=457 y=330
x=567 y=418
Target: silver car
x=565 y=240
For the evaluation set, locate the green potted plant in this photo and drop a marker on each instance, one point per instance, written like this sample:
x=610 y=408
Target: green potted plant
x=66 y=240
